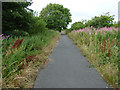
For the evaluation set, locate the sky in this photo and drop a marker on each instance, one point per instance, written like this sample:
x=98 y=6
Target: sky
x=81 y=9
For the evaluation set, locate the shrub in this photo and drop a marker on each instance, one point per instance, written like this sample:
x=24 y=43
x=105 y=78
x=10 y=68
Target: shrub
x=17 y=32
x=77 y=25
x=39 y=26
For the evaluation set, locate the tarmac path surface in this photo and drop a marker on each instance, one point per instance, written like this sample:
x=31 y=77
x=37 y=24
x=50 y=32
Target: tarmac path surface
x=68 y=68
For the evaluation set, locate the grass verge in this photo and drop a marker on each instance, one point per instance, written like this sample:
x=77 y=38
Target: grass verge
x=24 y=78
x=108 y=70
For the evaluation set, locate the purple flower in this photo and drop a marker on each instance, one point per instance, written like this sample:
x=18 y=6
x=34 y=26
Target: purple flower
x=6 y=51
x=8 y=36
x=1 y=35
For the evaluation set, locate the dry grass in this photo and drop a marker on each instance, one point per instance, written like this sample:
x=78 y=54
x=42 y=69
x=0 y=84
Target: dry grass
x=107 y=71
x=27 y=76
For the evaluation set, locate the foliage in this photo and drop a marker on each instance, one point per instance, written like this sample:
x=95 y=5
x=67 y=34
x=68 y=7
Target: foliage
x=77 y=25
x=18 y=52
x=16 y=15
x=101 y=44
x=56 y=16
x=38 y=26
x=101 y=21
x=116 y=24
x=18 y=20
x=97 y=22
x=28 y=36
x=2 y=37
x=18 y=33
x=67 y=31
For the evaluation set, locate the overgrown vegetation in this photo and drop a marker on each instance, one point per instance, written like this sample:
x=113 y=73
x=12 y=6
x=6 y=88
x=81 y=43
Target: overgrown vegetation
x=23 y=41
x=19 y=52
x=98 y=39
x=101 y=48
x=25 y=37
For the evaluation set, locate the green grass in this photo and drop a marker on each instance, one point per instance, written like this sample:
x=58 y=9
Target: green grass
x=101 y=51
x=31 y=46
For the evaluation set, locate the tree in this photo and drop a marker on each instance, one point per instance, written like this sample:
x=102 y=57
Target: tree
x=56 y=16
x=116 y=24
x=16 y=15
x=77 y=25
x=101 y=21
x=88 y=23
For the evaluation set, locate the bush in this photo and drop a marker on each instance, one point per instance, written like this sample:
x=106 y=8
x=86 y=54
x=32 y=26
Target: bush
x=39 y=26
x=77 y=25
x=19 y=33
x=101 y=21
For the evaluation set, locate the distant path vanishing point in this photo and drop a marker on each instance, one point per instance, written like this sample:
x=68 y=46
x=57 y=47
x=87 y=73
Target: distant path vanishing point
x=68 y=69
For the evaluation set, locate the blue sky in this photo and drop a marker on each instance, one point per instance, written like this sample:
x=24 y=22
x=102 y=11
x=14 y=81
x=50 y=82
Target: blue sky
x=81 y=9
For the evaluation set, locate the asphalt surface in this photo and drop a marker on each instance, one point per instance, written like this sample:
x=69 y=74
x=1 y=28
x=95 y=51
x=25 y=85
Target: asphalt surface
x=68 y=68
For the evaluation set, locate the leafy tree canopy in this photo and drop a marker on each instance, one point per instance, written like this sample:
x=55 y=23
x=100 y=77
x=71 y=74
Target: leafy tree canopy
x=56 y=16
x=16 y=15
x=77 y=25
x=101 y=21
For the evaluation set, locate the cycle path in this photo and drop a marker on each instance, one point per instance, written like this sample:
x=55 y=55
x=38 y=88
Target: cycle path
x=68 y=68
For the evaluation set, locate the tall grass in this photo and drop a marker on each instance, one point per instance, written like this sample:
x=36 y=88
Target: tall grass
x=17 y=52
x=101 y=48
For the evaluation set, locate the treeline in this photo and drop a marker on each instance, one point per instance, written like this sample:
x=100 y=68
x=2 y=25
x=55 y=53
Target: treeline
x=105 y=20
x=18 y=19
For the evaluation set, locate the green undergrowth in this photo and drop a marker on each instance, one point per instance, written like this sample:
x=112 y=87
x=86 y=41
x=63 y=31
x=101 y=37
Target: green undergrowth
x=17 y=55
x=101 y=51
